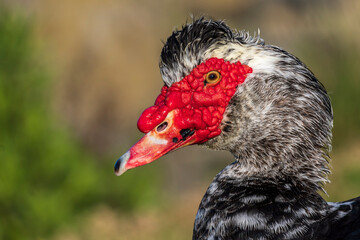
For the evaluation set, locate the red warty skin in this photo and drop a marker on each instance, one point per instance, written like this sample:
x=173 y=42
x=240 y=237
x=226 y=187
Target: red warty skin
x=188 y=112
x=201 y=105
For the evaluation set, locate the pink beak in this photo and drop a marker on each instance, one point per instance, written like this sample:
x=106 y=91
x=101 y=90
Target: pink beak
x=159 y=141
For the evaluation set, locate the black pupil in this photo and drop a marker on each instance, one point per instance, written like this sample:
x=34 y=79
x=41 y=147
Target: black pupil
x=212 y=76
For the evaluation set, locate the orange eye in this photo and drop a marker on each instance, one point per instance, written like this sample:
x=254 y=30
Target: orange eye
x=212 y=77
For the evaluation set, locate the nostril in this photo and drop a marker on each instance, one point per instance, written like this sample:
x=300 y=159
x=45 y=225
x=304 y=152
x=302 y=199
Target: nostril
x=162 y=127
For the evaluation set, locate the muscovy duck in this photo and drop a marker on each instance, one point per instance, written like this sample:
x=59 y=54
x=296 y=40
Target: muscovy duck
x=227 y=90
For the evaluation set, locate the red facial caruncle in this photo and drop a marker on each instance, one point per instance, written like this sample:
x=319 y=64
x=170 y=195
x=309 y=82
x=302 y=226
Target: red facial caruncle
x=189 y=111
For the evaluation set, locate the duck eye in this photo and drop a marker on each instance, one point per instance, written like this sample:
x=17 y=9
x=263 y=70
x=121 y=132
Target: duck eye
x=212 y=77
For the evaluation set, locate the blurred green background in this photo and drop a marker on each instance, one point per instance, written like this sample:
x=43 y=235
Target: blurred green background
x=75 y=76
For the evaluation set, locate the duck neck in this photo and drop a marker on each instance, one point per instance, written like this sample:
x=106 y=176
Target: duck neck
x=278 y=124
x=309 y=176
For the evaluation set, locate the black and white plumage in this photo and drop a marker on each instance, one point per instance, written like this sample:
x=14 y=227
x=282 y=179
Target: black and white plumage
x=262 y=208
x=278 y=127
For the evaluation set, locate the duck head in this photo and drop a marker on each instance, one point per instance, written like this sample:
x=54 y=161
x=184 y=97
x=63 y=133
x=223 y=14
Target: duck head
x=229 y=91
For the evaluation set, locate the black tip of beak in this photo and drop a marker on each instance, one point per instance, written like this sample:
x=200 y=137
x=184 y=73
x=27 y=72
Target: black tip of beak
x=117 y=165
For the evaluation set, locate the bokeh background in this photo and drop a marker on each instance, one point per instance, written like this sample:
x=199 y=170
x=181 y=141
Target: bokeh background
x=76 y=75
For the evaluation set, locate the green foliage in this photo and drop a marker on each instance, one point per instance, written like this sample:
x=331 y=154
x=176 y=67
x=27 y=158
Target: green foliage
x=46 y=179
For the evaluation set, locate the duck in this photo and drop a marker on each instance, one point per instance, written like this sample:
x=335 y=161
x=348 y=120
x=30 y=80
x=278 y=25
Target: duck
x=227 y=90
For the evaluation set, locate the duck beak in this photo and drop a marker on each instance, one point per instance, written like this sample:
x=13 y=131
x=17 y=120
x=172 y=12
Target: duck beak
x=156 y=143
